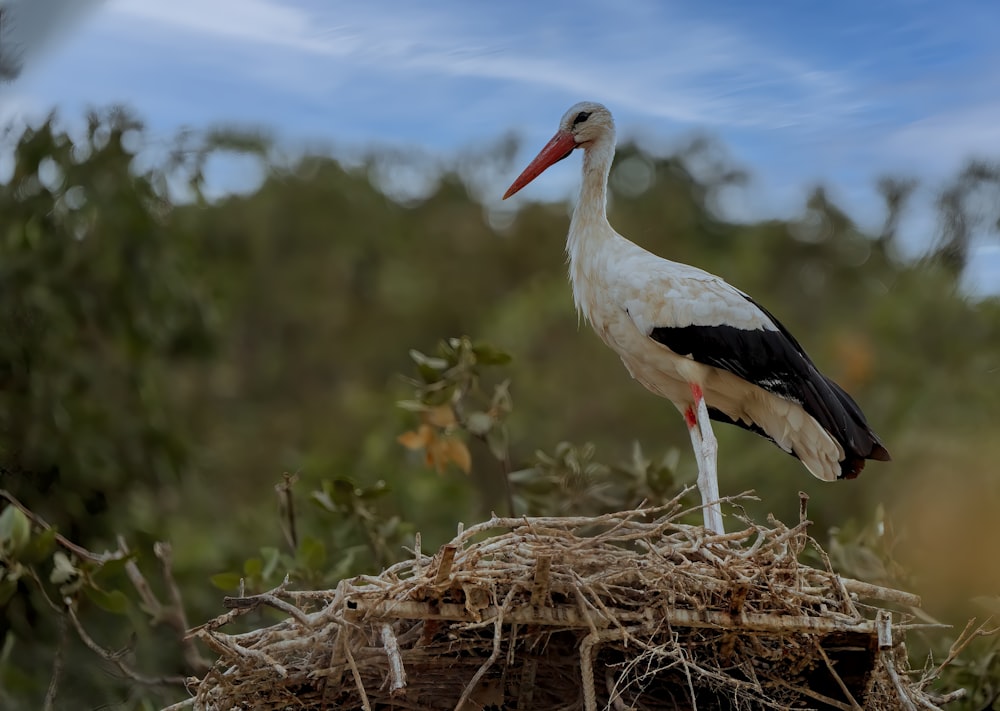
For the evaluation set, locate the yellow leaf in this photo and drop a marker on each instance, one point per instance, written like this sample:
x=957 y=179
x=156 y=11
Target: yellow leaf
x=436 y=455
x=417 y=439
x=457 y=452
x=440 y=416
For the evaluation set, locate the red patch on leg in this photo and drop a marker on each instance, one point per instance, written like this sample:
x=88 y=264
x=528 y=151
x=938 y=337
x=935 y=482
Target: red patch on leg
x=698 y=394
x=690 y=418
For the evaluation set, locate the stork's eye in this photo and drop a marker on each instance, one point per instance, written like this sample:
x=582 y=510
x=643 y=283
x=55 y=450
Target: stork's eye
x=581 y=117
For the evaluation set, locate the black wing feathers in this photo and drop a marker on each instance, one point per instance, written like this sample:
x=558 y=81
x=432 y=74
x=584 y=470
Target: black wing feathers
x=775 y=362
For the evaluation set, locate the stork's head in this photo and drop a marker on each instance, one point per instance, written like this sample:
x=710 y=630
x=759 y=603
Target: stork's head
x=584 y=124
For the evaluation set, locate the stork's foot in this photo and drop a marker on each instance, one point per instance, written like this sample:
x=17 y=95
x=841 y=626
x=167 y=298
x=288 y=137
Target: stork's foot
x=712 y=509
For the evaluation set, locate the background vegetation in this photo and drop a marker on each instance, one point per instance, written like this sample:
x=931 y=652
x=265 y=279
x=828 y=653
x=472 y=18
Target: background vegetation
x=223 y=376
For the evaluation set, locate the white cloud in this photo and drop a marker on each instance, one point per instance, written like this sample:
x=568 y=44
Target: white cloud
x=941 y=142
x=256 y=21
x=707 y=73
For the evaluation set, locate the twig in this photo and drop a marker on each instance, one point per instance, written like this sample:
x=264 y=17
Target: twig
x=690 y=682
x=494 y=655
x=116 y=658
x=540 y=585
x=176 y=617
x=80 y=551
x=444 y=567
x=286 y=505
x=228 y=644
x=883 y=624
x=253 y=601
x=964 y=640
x=901 y=692
x=174 y=614
x=149 y=600
x=838 y=581
x=855 y=706
x=365 y=704
x=945 y=699
x=877 y=592
x=397 y=673
x=57 y=664
x=611 y=686
x=805 y=691
x=241 y=605
x=41 y=589
x=334 y=669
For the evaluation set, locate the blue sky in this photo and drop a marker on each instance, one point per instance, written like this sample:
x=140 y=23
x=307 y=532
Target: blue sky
x=799 y=91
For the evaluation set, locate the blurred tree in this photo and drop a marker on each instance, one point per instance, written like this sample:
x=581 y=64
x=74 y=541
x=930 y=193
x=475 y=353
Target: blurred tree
x=969 y=204
x=98 y=302
x=896 y=192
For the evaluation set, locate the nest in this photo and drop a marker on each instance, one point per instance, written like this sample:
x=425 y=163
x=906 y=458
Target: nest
x=631 y=610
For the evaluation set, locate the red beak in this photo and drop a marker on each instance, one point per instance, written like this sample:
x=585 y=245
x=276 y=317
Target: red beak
x=561 y=145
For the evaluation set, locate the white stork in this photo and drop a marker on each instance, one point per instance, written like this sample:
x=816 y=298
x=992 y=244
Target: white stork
x=692 y=338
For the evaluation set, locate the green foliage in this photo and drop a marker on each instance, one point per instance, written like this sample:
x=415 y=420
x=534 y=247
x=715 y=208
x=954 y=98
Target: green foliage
x=98 y=302
x=571 y=481
x=99 y=306
x=71 y=587
x=357 y=537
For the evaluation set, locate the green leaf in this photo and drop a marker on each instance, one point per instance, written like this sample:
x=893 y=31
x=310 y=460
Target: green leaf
x=323 y=499
x=112 y=601
x=440 y=397
x=411 y=405
x=428 y=373
x=312 y=554
x=337 y=495
x=111 y=568
x=226 y=581
x=488 y=355
x=428 y=361
x=15 y=530
x=376 y=491
x=253 y=567
x=343 y=490
x=523 y=476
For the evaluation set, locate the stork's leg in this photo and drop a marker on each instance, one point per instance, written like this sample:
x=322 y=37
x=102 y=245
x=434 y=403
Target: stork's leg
x=704 y=482
x=706 y=450
x=692 y=422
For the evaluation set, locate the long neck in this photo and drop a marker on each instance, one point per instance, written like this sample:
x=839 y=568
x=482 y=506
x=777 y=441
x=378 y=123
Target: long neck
x=590 y=216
